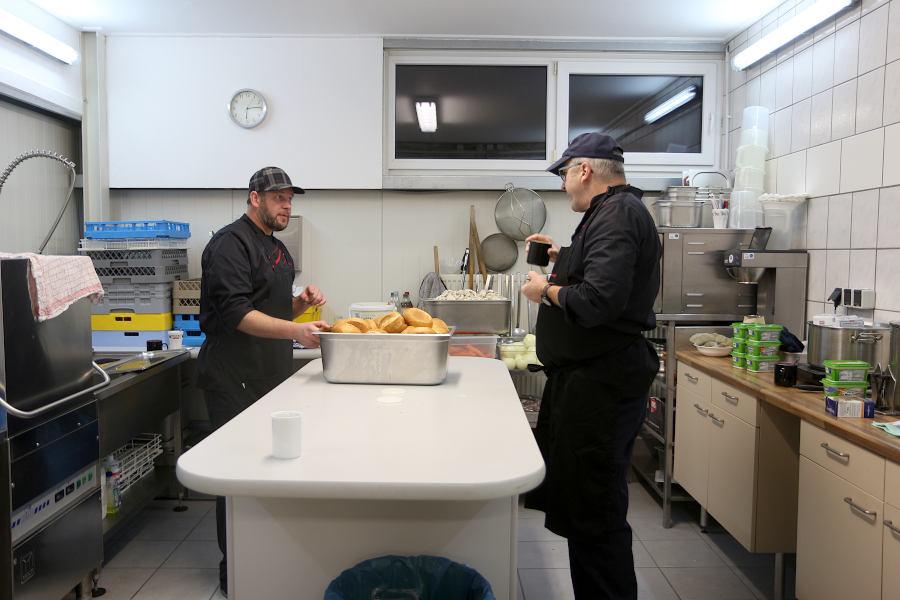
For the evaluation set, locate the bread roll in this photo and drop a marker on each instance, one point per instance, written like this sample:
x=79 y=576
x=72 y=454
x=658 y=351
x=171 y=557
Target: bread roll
x=415 y=330
x=343 y=327
x=371 y=323
x=439 y=326
x=417 y=317
x=376 y=331
x=359 y=324
x=393 y=323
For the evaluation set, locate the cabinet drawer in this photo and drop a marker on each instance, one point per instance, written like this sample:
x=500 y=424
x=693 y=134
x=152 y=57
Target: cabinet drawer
x=845 y=459
x=892 y=483
x=691 y=469
x=693 y=379
x=732 y=475
x=890 y=584
x=740 y=404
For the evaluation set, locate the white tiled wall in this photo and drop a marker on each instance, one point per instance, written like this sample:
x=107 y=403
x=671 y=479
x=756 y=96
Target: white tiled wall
x=835 y=134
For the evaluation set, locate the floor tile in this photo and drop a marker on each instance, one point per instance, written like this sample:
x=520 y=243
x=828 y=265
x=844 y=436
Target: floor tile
x=180 y=584
x=166 y=528
x=642 y=557
x=533 y=530
x=683 y=553
x=651 y=529
x=734 y=554
x=652 y=585
x=707 y=583
x=195 y=555
x=761 y=581
x=219 y=595
x=543 y=555
x=122 y=584
x=546 y=584
x=205 y=529
x=520 y=595
x=530 y=513
x=138 y=554
x=195 y=508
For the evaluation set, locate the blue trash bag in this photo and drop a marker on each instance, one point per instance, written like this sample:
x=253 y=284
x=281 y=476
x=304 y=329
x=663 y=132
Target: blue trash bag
x=409 y=578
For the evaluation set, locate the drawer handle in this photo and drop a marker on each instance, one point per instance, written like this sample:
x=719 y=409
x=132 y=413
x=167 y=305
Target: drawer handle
x=698 y=253
x=837 y=453
x=855 y=506
x=691 y=378
x=696 y=243
x=717 y=421
x=701 y=410
x=890 y=525
x=694 y=294
x=693 y=306
x=730 y=397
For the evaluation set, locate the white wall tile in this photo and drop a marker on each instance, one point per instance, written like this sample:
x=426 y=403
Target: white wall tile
x=864 y=221
x=862 y=157
x=889 y=218
x=815 y=308
x=784 y=85
x=817 y=223
x=887 y=284
x=848 y=16
x=751 y=95
x=846 y=53
x=820 y=119
x=862 y=269
x=767 y=89
x=843 y=106
x=816 y=288
x=870 y=5
x=780 y=128
x=840 y=208
x=800 y=125
x=892 y=93
x=771 y=176
x=873 y=39
x=893 y=41
x=892 y=154
x=869 y=100
x=791 y=176
x=823 y=65
x=823 y=169
x=737 y=107
x=885 y=316
x=837 y=270
x=824 y=29
x=803 y=75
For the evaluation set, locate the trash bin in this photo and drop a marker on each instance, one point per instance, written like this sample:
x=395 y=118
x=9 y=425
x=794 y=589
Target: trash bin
x=409 y=578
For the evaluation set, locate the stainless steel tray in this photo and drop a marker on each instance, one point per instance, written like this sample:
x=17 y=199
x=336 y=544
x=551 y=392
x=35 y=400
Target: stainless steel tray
x=471 y=316
x=380 y=358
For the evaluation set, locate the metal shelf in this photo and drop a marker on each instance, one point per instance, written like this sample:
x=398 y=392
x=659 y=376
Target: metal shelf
x=653 y=433
x=137 y=497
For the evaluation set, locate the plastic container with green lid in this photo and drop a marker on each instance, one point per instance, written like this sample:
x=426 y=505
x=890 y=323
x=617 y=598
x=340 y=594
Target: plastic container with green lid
x=738 y=361
x=761 y=364
x=739 y=331
x=755 y=348
x=842 y=389
x=738 y=345
x=846 y=370
x=764 y=333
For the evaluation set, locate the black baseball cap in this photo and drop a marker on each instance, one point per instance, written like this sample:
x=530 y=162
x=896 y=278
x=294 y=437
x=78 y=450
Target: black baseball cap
x=272 y=179
x=590 y=145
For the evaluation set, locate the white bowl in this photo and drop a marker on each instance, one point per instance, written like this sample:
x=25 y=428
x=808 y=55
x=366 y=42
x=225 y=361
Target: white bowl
x=717 y=351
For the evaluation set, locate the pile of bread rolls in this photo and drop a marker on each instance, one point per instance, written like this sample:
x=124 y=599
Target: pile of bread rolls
x=413 y=320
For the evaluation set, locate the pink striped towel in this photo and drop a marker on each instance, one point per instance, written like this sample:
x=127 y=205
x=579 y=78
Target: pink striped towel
x=57 y=282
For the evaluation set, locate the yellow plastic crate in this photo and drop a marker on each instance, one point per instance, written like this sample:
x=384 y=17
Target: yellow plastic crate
x=313 y=313
x=121 y=321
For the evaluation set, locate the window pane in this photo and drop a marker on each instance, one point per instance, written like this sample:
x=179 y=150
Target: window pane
x=482 y=112
x=645 y=113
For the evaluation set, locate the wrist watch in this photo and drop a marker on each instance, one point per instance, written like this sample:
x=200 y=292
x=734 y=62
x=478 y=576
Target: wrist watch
x=545 y=299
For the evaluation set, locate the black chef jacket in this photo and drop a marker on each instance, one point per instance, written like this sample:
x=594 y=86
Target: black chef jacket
x=610 y=279
x=243 y=269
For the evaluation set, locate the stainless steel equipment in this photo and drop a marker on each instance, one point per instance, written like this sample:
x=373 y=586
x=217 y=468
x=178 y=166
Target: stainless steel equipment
x=871 y=343
x=679 y=213
x=379 y=358
x=891 y=396
x=779 y=277
x=471 y=316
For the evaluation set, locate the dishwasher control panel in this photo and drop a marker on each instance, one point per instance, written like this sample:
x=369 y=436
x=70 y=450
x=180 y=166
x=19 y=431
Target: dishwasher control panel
x=43 y=508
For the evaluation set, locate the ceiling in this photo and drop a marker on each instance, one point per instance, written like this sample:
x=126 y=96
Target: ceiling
x=709 y=20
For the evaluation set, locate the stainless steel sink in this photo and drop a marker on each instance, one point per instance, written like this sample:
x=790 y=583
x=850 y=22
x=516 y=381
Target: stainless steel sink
x=141 y=361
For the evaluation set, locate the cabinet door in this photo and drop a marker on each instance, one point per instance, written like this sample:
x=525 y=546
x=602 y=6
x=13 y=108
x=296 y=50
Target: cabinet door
x=692 y=445
x=732 y=474
x=890 y=586
x=839 y=548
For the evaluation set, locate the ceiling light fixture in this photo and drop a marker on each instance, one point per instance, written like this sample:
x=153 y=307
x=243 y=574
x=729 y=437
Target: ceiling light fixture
x=34 y=37
x=679 y=99
x=426 y=112
x=803 y=22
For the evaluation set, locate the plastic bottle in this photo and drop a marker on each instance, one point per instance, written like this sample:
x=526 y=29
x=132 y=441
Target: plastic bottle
x=113 y=489
x=406 y=302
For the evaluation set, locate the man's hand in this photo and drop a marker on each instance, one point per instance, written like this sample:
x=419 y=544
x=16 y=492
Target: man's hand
x=312 y=296
x=534 y=284
x=540 y=237
x=304 y=333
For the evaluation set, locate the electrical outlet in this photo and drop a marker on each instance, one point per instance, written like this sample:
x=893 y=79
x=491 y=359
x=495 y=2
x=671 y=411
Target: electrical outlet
x=863 y=298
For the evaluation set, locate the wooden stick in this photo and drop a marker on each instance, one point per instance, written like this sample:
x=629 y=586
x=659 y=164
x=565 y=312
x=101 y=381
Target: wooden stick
x=471 y=281
x=437 y=263
x=481 y=266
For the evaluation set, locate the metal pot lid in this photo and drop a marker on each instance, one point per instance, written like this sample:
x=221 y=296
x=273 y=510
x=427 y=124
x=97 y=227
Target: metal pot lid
x=864 y=327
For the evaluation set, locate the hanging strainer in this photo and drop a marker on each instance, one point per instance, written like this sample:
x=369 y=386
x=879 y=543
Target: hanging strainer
x=520 y=212
x=499 y=252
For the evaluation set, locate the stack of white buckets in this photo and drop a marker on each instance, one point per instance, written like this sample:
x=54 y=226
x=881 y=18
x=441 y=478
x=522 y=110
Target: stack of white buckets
x=750 y=169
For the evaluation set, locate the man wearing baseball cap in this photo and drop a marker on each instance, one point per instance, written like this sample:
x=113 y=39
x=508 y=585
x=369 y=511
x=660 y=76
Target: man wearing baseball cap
x=246 y=310
x=595 y=306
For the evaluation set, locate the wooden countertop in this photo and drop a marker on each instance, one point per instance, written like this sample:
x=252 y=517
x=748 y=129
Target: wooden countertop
x=809 y=406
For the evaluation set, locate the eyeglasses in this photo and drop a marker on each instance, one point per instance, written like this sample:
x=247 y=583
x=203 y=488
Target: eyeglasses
x=562 y=170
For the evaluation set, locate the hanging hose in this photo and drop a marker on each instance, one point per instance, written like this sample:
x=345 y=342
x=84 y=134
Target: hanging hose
x=47 y=154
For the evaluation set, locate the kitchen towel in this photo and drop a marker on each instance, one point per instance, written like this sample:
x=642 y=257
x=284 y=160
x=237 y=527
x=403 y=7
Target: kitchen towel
x=891 y=428
x=57 y=282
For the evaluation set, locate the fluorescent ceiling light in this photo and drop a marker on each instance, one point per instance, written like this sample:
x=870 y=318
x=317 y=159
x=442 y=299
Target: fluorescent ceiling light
x=803 y=22
x=426 y=112
x=34 y=37
x=679 y=99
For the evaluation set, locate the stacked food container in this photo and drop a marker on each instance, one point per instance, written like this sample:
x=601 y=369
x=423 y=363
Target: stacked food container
x=750 y=169
x=755 y=347
x=136 y=261
x=845 y=385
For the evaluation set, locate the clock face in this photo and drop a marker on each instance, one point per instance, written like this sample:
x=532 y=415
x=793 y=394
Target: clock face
x=247 y=108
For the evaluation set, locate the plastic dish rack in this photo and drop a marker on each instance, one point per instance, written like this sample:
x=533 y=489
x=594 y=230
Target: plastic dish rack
x=116 y=230
x=126 y=321
x=127 y=341
x=87 y=245
x=186 y=297
x=135 y=275
x=137 y=258
x=140 y=299
x=190 y=325
x=137 y=457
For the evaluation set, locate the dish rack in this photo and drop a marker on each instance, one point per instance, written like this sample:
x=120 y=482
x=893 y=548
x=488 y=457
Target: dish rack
x=186 y=297
x=137 y=458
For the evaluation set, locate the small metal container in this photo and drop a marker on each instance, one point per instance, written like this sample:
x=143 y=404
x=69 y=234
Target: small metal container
x=385 y=358
x=471 y=316
x=681 y=213
x=681 y=192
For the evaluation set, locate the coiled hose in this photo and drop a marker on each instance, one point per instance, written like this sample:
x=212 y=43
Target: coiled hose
x=47 y=154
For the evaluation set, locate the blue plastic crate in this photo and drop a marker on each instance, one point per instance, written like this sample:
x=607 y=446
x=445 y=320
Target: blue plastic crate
x=125 y=341
x=187 y=322
x=116 y=230
x=194 y=339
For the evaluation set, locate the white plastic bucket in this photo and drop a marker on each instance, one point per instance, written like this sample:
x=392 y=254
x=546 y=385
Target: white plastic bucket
x=755 y=117
x=749 y=178
x=786 y=215
x=754 y=136
x=751 y=156
x=745 y=211
x=370 y=310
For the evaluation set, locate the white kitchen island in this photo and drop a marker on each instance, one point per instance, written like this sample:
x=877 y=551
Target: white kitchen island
x=384 y=470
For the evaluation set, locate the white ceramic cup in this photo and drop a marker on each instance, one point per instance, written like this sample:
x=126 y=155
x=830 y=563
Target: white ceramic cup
x=176 y=339
x=286 y=434
x=720 y=218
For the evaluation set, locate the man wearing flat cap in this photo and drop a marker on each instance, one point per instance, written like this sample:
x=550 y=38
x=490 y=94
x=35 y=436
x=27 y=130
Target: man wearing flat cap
x=246 y=310
x=595 y=306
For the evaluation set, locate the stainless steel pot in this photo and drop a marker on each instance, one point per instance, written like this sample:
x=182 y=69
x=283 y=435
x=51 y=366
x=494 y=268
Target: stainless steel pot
x=871 y=343
x=679 y=213
x=891 y=400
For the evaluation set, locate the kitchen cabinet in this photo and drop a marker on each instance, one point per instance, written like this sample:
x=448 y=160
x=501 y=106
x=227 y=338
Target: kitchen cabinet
x=732 y=457
x=692 y=441
x=890 y=568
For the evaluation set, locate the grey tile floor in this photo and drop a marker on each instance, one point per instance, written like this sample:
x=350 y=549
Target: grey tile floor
x=167 y=555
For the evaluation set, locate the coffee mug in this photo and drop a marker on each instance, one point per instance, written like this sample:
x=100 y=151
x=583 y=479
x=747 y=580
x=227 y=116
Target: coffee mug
x=538 y=254
x=786 y=374
x=176 y=339
x=155 y=345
